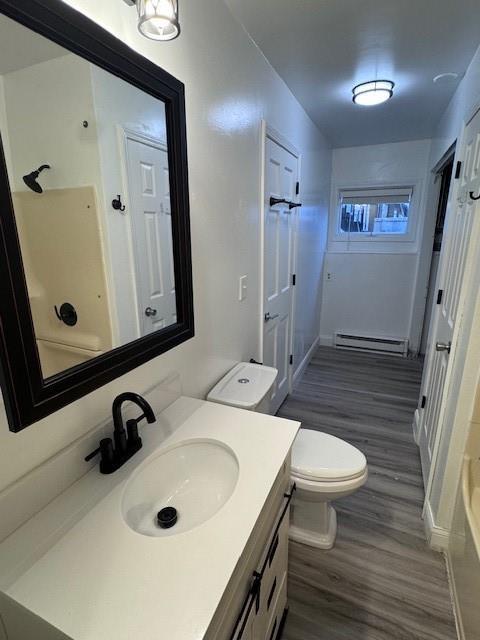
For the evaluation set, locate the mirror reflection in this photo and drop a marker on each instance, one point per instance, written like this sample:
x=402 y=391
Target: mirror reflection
x=87 y=161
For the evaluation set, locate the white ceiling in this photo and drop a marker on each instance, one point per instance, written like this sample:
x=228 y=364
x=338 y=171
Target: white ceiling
x=21 y=48
x=322 y=48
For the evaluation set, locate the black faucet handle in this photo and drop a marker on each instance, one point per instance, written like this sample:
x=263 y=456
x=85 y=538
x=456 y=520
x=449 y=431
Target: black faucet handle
x=92 y=455
x=105 y=450
x=133 y=438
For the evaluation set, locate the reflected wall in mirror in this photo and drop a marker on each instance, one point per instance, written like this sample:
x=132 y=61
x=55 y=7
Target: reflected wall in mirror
x=95 y=252
x=78 y=142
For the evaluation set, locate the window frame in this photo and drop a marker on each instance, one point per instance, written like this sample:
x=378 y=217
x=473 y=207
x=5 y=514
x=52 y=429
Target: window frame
x=342 y=240
x=367 y=235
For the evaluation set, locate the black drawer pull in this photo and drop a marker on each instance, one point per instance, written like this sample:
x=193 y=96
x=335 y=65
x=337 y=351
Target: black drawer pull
x=256 y=587
x=272 y=635
x=273 y=551
x=272 y=591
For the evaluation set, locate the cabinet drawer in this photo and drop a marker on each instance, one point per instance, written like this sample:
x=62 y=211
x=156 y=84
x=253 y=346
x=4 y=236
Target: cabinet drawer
x=278 y=608
x=249 y=632
x=275 y=569
x=268 y=589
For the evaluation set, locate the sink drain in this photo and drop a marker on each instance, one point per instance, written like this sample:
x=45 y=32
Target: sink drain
x=167 y=517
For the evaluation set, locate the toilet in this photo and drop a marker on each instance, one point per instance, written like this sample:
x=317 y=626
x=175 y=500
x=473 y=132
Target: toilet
x=324 y=468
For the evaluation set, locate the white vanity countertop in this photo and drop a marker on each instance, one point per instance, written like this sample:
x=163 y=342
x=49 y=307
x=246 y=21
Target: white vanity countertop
x=80 y=567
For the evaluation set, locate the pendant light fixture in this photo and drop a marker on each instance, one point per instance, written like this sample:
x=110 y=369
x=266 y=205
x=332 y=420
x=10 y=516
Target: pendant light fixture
x=369 y=94
x=157 y=19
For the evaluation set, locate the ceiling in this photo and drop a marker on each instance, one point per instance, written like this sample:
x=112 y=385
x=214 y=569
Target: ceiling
x=21 y=48
x=322 y=48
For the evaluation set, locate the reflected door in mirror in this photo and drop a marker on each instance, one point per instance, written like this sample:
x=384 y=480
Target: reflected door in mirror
x=149 y=189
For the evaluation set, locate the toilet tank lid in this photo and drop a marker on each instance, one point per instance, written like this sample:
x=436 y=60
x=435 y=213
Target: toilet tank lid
x=244 y=386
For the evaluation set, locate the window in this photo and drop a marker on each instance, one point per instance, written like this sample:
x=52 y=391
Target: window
x=374 y=212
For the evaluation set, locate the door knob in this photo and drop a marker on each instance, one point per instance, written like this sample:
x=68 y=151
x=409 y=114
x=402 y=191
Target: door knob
x=275 y=201
x=269 y=317
x=149 y=312
x=443 y=346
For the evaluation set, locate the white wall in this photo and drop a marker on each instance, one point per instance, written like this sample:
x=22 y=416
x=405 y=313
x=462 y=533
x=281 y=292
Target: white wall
x=460 y=108
x=312 y=243
x=369 y=287
x=4 y=128
x=46 y=105
x=369 y=294
x=229 y=88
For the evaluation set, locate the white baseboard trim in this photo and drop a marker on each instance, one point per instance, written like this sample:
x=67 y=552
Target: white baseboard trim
x=455 y=601
x=326 y=341
x=437 y=537
x=304 y=363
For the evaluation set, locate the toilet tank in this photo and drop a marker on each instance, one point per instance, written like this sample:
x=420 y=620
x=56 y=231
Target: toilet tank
x=246 y=386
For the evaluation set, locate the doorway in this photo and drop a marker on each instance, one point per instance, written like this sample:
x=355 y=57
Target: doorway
x=456 y=284
x=444 y=178
x=150 y=220
x=280 y=211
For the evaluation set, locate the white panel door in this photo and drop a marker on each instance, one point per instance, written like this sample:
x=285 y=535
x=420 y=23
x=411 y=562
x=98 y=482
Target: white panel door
x=460 y=233
x=281 y=175
x=150 y=211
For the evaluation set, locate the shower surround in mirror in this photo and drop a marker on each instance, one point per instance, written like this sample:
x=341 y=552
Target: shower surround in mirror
x=97 y=277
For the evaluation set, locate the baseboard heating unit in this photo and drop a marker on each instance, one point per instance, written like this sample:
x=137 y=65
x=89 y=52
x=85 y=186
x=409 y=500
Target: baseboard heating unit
x=377 y=344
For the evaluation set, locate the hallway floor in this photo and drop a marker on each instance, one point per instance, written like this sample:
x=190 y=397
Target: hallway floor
x=381 y=581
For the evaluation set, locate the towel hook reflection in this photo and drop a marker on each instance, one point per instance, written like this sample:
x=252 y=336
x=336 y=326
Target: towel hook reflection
x=117 y=204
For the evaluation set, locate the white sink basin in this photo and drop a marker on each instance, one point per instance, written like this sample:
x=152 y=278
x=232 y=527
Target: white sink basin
x=195 y=477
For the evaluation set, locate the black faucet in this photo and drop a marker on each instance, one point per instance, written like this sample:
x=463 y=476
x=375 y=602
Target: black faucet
x=128 y=442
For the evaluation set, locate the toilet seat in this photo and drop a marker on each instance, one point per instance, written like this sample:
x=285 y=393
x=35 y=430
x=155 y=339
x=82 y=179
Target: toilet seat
x=331 y=490
x=318 y=457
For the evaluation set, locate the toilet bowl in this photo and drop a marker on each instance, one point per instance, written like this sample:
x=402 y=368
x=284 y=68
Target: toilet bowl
x=324 y=468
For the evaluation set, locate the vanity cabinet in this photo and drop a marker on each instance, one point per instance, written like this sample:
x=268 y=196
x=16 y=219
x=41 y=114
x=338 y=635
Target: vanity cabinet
x=254 y=604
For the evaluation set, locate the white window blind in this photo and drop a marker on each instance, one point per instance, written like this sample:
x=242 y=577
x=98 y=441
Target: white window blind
x=374 y=212
x=376 y=196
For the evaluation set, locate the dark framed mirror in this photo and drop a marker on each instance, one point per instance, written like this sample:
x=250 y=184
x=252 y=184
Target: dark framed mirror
x=95 y=255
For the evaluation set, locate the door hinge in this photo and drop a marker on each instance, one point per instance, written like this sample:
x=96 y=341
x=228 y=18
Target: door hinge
x=439 y=296
x=294 y=279
x=297 y=188
x=291 y=359
x=424 y=402
x=458 y=170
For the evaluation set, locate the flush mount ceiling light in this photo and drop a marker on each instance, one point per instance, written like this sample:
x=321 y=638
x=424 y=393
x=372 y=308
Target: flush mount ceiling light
x=157 y=19
x=369 y=94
